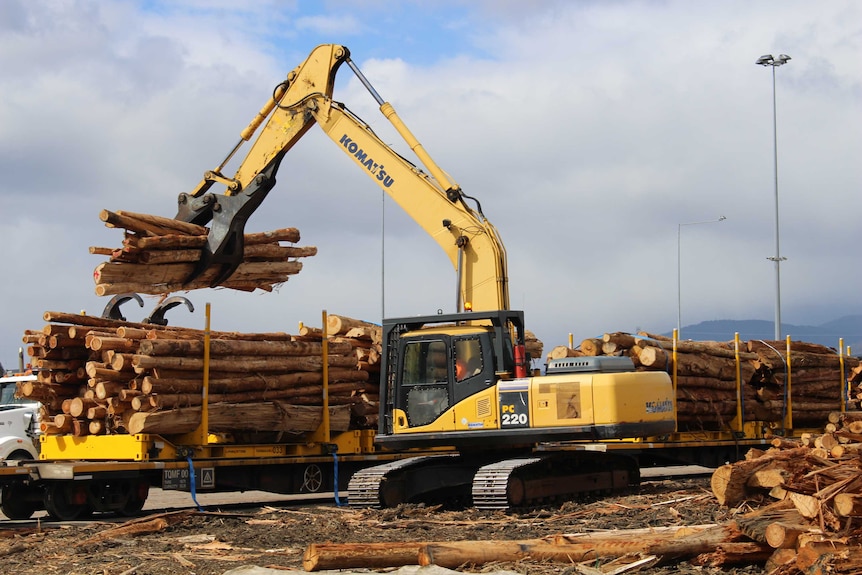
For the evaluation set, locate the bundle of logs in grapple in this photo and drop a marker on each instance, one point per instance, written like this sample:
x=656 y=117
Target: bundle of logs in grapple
x=805 y=496
x=103 y=376
x=159 y=254
x=707 y=373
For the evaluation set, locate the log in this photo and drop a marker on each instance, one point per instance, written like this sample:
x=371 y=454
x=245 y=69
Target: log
x=591 y=346
x=168 y=242
x=189 y=382
x=758 y=346
x=186 y=347
x=728 y=481
x=784 y=535
x=621 y=339
x=312 y=395
x=715 y=349
x=269 y=416
x=653 y=357
x=176 y=274
x=310 y=332
x=339 y=324
x=243 y=364
x=277 y=252
x=79 y=406
x=562 y=351
x=734 y=553
x=326 y=556
x=848 y=504
x=779 y=559
x=767 y=478
x=698 y=364
x=169 y=256
x=280 y=235
x=456 y=553
x=106 y=389
x=175 y=332
x=170 y=224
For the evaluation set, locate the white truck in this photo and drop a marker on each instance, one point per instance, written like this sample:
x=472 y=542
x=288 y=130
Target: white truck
x=19 y=421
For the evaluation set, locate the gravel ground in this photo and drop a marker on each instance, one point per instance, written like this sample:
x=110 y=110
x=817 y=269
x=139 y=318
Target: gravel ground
x=219 y=540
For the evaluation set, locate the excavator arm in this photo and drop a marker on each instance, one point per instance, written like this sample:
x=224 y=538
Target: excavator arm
x=435 y=202
x=284 y=124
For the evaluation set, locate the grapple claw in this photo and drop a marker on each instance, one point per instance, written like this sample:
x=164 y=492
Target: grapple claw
x=157 y=316
x=225 y=245
x=112 y=310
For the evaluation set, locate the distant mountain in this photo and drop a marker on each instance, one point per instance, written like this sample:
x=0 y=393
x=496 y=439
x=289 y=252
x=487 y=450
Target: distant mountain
x=828 y=334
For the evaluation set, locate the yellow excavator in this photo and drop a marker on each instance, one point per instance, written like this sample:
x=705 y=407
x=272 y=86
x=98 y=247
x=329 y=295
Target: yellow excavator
x=508 y=435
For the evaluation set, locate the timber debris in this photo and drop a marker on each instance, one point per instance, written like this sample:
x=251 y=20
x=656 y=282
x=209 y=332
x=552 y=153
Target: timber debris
x=806 y=497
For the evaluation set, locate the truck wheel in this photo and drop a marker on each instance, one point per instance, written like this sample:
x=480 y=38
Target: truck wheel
x=17 y=503
x=19 y=455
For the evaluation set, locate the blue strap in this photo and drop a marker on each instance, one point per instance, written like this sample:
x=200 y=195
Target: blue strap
x=338 y=502
x=192 y=482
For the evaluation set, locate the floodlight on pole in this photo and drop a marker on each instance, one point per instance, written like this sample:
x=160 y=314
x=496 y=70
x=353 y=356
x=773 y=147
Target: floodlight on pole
x=679 y=268
x=768 y=60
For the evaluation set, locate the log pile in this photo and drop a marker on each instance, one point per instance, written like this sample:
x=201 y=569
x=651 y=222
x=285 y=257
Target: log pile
x=104 y=376
x=810 y=494
x=158 y=254
x=707 y=373
x=533 y=345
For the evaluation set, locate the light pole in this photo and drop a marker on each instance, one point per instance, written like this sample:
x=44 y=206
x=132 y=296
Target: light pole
x=768 y=60
x=679 y=269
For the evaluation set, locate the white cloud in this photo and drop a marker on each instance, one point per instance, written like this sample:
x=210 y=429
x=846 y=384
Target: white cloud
x=588 y=131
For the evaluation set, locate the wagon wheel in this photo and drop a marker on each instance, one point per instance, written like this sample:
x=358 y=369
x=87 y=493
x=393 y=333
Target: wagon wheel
x=312 y=479
x=15 y=502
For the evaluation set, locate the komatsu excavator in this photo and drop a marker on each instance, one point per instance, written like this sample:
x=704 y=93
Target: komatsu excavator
x=461 y=381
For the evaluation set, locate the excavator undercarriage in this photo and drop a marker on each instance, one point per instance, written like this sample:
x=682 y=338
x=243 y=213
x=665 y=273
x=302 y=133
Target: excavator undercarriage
x=486 y=482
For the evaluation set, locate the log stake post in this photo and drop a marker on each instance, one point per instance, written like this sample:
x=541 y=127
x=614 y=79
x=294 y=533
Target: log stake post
x=845 y=387
x=675 y=340
x=200 y=436
x=740 y=416
x=204 y=428
x=788 y=419
x=323 y=433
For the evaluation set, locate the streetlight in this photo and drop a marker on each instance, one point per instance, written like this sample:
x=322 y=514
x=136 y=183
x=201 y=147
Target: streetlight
x=679 y=269
x=768 y=60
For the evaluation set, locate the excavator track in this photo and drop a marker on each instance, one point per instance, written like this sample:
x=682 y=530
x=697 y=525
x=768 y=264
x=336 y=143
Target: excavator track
x=367 y=487
x=516 y=482
x=491 y=483
x=529 y=481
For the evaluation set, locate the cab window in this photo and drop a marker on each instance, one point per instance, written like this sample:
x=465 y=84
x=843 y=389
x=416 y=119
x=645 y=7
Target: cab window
x=468 y=358
x=425 y=380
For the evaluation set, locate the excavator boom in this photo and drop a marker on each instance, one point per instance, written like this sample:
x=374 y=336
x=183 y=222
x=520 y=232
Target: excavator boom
x=432 y=199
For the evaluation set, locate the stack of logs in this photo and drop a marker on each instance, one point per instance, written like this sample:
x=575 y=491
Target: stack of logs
x=158 y=254
x=707 y=376
x=533 y=345
x=807 y=496
x=104 y=376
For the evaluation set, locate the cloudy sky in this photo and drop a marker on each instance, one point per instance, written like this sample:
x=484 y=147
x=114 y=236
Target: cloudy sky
x=592 y=132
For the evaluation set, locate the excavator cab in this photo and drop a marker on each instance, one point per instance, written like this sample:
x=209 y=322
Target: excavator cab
x=439 y=369
x=434 y=363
